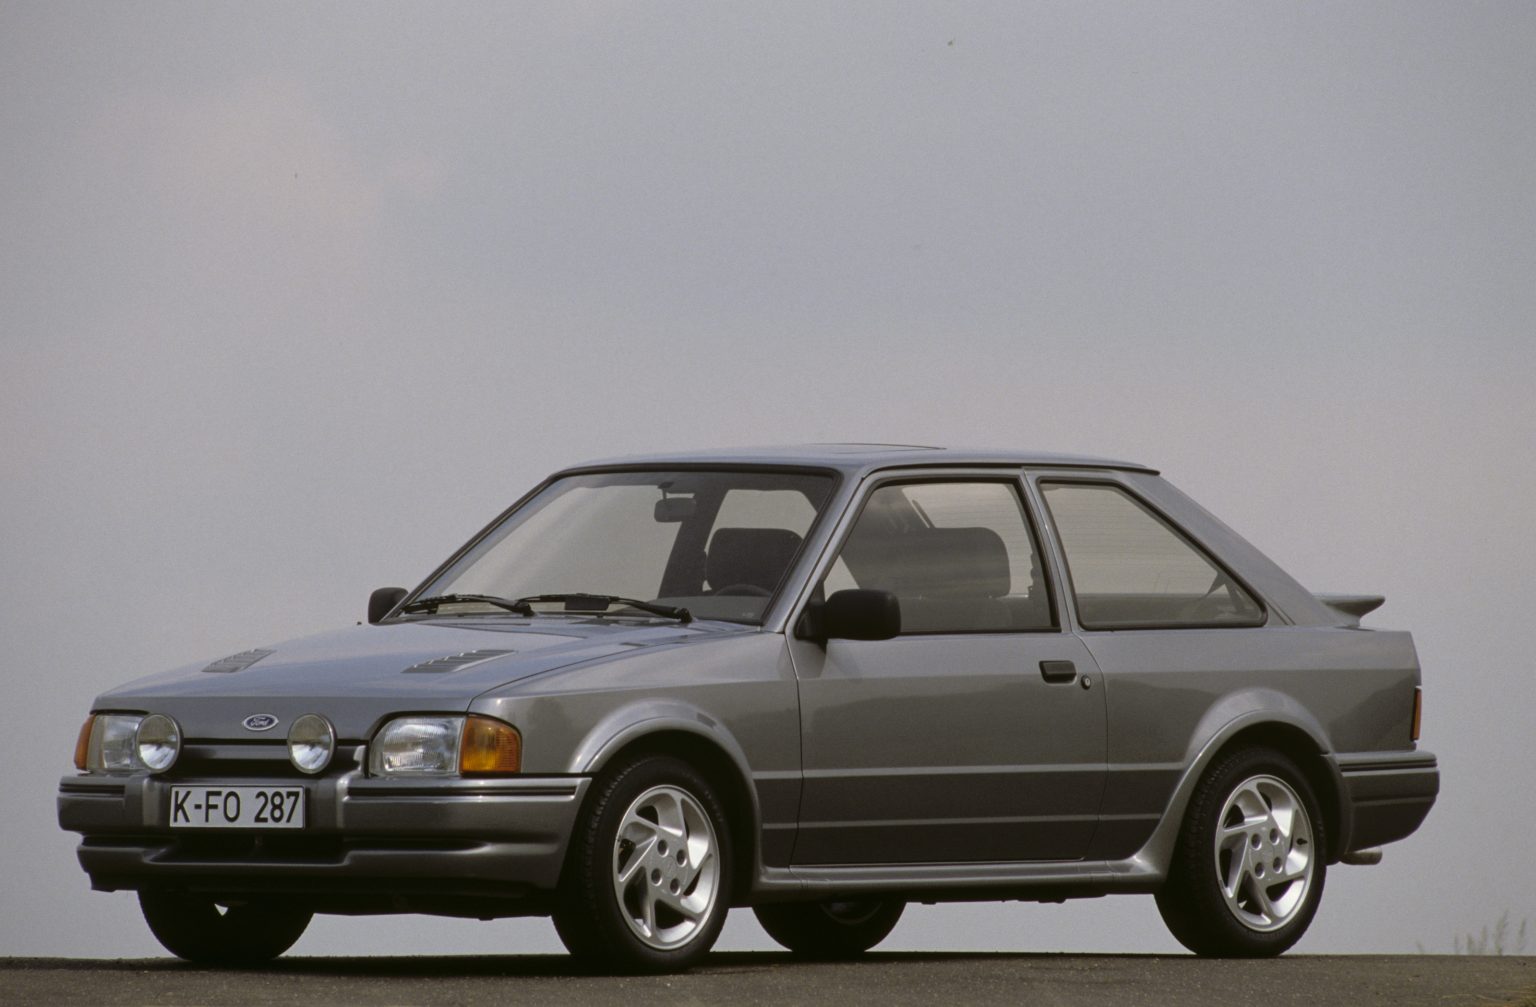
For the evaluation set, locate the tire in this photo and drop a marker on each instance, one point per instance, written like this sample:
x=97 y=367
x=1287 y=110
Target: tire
x=646 y=886
x=830 y=930
x=195 y=928
x=1248 y=871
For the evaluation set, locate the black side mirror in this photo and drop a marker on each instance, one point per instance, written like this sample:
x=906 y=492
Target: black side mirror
x=855 y=614
x=382 y=601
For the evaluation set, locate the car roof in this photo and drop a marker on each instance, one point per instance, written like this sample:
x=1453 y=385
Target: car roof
x=863 y=458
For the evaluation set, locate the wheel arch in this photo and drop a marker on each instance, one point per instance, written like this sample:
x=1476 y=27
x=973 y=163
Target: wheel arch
x=1302 y=749
x=698 y=740
x=1259 y=719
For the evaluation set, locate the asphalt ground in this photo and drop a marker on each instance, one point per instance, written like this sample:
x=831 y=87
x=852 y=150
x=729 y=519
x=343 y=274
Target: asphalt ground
x=1048 y=980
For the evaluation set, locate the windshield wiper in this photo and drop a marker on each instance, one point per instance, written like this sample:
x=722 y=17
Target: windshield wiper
x=521 y=607
x=580 y=602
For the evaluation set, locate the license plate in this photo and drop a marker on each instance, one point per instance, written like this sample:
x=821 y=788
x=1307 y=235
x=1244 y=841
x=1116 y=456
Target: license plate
x=237 y=807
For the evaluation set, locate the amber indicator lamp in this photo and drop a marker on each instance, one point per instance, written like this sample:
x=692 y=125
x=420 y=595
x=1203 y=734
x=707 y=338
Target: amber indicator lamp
x=83 y=743
x=489 y=748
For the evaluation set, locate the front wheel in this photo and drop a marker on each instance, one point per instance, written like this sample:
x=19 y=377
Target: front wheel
x=830 y=930
x=200 y=930
x=1248 y=871
x=646 y=882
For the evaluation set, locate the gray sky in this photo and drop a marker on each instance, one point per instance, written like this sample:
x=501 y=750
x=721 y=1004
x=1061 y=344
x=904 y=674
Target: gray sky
x=293 y=298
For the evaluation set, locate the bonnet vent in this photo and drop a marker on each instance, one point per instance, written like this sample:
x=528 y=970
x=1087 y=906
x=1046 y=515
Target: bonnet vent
x=453 y=662
x=237 y=662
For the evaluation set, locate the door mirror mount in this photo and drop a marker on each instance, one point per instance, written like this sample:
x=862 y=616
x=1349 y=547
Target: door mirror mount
x=382 y=602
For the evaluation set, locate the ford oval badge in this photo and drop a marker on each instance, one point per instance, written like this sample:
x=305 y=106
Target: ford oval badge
x=260 y=722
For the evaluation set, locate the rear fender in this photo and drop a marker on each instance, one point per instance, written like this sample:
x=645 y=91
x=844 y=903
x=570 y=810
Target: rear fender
x=1224 y=721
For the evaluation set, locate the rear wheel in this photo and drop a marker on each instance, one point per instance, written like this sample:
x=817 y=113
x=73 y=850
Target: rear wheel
x=200 y=930
x=1248 y=871
x=646 y=883
x=832 y=929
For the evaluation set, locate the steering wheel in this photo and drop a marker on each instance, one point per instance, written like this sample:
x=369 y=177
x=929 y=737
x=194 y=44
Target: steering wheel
x=744 y=590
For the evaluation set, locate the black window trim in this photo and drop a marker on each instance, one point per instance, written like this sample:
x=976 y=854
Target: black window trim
x=1042 y=481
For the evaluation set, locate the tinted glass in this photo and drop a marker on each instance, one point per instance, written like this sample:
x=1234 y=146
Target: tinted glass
x=716 y=542
x=1130 y=568
x=958 y=555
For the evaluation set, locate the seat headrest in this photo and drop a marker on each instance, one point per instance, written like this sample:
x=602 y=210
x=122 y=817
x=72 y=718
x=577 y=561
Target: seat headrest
x=955 y=563
x=756 y=556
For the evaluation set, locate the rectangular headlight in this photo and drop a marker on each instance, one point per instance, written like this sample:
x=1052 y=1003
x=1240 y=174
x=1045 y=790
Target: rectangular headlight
x=416 y=746
x=110 y=749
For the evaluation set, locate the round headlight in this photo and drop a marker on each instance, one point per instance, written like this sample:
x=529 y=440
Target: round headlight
x=311 y=743
x=157 y=742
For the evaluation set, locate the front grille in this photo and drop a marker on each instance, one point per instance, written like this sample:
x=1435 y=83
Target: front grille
x=254 y=849
x=224 y=761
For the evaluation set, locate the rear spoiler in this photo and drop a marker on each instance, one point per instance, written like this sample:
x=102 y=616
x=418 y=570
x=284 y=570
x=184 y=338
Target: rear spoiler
x=1354 y=606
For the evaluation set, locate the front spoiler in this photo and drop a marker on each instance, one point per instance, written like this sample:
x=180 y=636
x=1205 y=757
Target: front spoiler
x=369 y=846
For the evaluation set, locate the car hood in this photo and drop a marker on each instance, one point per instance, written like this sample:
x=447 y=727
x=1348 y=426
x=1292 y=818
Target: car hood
x=360 y=675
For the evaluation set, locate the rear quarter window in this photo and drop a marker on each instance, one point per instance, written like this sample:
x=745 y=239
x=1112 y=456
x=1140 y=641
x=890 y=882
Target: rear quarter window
x=1130 y=568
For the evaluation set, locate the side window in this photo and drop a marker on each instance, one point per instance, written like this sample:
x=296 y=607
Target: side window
x=959 y=556
x=1131 y=569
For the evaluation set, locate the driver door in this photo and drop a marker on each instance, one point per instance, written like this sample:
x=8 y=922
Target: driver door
x=978 y=734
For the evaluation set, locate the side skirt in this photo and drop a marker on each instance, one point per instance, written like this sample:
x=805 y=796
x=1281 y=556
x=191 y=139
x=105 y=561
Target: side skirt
x=1033 y=882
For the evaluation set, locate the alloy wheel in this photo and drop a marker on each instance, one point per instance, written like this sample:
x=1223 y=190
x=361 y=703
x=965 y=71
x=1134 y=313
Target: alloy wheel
x=1265 y=857
x=666 y=867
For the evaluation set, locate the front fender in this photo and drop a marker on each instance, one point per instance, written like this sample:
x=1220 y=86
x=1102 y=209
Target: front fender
x=630 y=723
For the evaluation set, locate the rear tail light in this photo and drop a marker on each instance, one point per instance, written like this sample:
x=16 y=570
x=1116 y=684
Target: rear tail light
x=1418 y=711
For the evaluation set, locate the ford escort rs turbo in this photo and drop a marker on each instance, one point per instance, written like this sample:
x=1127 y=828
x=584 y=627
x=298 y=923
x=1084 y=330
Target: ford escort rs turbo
x=819 y=682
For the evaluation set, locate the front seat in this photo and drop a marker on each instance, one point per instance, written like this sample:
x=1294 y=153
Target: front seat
x=954 y=580
x=749 y=558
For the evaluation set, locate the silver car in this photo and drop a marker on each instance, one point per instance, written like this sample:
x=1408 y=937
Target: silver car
x=821 y=682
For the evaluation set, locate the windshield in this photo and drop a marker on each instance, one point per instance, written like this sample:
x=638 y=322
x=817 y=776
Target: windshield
x=718 y=543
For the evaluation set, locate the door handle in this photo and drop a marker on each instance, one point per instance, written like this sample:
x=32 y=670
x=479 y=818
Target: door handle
x=1058 y=671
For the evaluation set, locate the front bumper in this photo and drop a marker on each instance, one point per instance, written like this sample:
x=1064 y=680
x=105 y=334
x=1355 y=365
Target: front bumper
x=1387 y=795
x=458 y=847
